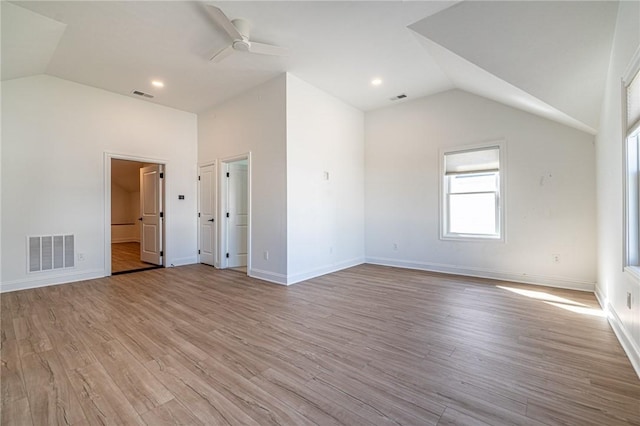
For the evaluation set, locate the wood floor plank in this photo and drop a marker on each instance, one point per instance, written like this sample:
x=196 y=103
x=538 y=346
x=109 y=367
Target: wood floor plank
x=101 y=399
x=16 y=413
x=204 y=400
x=138 y=385
x=11 y=381
x=171 y=413
x=51 y=397
x=366 y=345
x=452 y=417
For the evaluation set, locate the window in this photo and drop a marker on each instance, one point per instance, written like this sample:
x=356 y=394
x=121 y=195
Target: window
x=631 y=115
x=472 y=206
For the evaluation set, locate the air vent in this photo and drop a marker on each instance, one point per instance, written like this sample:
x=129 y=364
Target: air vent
x=139 y=93
x=50 y=252
x=395 y=98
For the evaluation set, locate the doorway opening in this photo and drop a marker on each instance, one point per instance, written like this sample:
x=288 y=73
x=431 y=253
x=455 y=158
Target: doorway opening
x=235 y=203
x=136 y=215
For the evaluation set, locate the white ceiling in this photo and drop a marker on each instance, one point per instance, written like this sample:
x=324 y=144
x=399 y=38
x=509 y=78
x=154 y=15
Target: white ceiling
x=554 y=54
x=557 y=52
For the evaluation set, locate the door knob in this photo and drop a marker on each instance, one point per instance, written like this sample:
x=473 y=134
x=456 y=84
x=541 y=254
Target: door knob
x=210 y=220
x=140 y=219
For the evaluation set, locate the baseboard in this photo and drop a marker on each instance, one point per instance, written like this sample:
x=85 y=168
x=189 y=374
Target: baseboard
x=558 y=282
x=303 y=276
x=124 y=240
x=182 y=261
x=628 y=345
x=44 y=281
x=272 y=277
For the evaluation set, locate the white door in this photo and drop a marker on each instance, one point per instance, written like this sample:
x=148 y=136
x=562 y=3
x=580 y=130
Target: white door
x=206 y=216
x=151 y=214
x=238 y=214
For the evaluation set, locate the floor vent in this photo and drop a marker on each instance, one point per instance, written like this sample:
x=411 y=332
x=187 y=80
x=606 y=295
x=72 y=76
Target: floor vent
x=50 y=252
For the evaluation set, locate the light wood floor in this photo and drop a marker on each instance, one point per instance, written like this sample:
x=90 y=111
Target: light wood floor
x=368 y=345
x=126 y=257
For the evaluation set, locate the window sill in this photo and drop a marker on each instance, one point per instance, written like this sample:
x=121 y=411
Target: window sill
x=466 y=238
x=633 y=272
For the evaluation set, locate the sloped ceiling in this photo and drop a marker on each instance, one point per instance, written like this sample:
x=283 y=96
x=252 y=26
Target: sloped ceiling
x=548 y=58
x=336 y=46
x=29 y=41
x=126 y=174
x=557 y=52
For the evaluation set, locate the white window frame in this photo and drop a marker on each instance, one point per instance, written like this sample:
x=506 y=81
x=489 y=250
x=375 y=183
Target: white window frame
x=501 y=194
x=631 y=178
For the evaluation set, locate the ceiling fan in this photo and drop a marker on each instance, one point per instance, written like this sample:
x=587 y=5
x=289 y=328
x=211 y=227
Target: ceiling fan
x=239 y=31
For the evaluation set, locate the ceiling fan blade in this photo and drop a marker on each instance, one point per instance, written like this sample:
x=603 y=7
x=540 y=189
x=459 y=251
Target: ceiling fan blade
x=223 y=22
x=221 y=54
x=267 y=49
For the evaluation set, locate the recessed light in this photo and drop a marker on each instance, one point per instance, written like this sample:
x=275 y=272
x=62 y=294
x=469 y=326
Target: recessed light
x=157 y=83
x=376 y=82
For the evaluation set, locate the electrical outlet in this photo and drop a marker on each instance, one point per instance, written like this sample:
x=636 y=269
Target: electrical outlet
x=266 y=255
x=80 y=257
x=555 y=258
x=628 y=300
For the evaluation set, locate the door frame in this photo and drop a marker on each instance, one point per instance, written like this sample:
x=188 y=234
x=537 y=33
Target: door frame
x=222 y=208
x=216 y=257
x=108 y=156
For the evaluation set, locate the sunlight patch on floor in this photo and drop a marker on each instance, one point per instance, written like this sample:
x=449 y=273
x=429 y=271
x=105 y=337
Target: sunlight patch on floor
x=557 y=301
x=541 y=295
x=596 y=312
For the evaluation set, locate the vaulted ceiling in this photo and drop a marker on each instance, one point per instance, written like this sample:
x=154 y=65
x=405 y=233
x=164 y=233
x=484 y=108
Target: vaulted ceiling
x=549 y=58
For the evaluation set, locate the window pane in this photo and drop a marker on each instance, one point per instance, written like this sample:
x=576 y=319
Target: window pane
x=485 y=182
x=472 y=214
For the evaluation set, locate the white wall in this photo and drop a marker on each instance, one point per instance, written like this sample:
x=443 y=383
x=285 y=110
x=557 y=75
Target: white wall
x=121 y=211
x=54 y=136
x=256 y=122
x=325 y=217
x=613 y=284
x=550 y=191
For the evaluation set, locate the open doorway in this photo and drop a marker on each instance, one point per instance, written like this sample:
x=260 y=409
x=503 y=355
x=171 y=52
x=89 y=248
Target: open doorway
x=236 y=214
x=137 y=206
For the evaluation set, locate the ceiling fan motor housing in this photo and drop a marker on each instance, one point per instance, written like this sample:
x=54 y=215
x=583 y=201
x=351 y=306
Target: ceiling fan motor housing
x=243 y=45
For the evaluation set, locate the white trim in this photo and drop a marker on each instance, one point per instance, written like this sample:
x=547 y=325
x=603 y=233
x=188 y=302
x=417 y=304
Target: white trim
x=213 y=163
x=125 y=240
x=182 y=261
x=632 y=67
x=272 y=277
x=549 y=281
x=630 y=348
x=35 y=282
x=108 y=156
x=222 y=205
x=307 y=275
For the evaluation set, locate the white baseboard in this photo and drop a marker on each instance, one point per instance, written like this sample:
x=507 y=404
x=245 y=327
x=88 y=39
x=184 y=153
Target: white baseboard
x=628 y=345
x=44 y=281
x=272 y=277
x=182 y=261
x=307 y=275
x=124 y=240
x=558 y=282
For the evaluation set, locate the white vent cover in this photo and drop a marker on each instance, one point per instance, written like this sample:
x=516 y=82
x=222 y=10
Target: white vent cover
x=50 y=252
